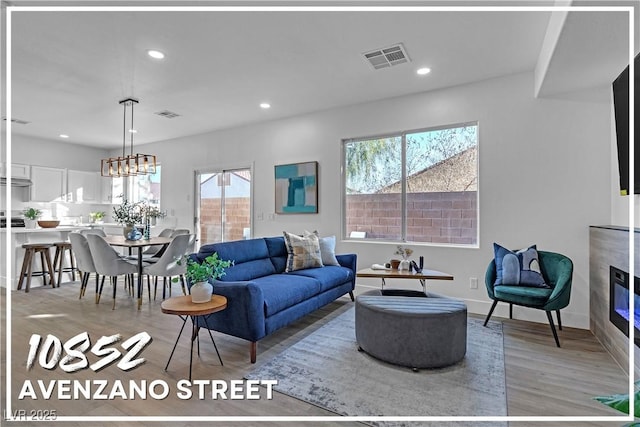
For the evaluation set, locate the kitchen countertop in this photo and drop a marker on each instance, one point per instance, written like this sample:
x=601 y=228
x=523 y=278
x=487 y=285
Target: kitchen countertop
x=60 y=228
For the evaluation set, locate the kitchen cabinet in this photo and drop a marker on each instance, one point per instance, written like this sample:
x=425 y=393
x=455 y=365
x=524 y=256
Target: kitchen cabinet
x=83 y=187
x=20 y=171
x=48 y=184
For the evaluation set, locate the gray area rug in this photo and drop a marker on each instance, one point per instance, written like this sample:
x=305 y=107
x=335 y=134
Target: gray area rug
x=326 y=369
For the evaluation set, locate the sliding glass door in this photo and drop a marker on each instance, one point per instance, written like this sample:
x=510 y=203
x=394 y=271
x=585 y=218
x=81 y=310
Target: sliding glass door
x=223 y=205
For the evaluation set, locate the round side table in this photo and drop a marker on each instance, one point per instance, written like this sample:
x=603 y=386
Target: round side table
x=185 y=309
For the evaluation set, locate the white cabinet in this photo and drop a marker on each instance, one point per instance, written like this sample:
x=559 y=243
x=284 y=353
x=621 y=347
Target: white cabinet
x=48 y=184
x=20 y=171
x=83 y=187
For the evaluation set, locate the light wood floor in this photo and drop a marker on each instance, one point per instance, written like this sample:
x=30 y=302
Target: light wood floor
x=541 y=379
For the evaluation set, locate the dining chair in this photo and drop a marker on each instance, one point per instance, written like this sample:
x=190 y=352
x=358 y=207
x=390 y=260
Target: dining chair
x=84 y=261
x=152 y=250
x=168 y=265
x=109 y=263
x=179 y=232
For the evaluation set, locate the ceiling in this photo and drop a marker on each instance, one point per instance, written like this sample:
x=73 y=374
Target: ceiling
x=70 y=68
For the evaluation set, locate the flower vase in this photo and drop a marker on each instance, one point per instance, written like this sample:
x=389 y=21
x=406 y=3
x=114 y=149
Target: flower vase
x=147 y=229
x=404 y=265
x=201 y=292
x=131 y=232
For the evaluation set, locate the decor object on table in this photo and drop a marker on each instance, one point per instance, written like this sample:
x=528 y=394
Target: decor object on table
x=96 y=217
x=297 y=188
x=30 y=217
x=129 y=214
x=325 y=369
x=128 y=164
x=200 y=274
x=261 y=299
x=49 y=223
x=620 y=402
x=153 y=213
x=405 y=253
x=558 y=273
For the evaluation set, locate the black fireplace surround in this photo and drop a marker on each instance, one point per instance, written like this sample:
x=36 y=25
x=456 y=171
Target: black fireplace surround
x=619 y=302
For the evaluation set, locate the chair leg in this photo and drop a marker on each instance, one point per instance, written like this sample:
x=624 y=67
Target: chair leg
x=184 y=289
x=559 y=320
x=553 y=328
x=99 y=293
x=493 y=306
x=114 y=282
x=351 y=295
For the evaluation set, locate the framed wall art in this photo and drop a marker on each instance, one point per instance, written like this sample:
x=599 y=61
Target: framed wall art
x=297 y=188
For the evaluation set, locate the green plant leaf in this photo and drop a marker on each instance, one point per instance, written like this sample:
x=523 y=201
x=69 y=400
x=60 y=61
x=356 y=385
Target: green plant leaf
x=620 y=402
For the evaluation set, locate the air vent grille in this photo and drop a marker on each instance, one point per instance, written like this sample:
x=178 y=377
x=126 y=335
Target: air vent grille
x=387 y=57
x=17 y=121
x=168 y=114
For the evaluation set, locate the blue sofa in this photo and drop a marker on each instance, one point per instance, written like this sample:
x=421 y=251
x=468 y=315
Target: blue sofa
x=261 y=297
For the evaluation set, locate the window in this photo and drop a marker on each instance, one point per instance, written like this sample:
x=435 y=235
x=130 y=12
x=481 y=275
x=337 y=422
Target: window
x=140 y=188
x=414 y=186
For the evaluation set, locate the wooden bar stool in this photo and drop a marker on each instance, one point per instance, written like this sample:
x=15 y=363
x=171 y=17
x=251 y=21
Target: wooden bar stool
x=31 y=249
x=58 y=261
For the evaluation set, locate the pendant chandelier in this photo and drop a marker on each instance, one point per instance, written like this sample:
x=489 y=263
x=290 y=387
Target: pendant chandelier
x=131 y=164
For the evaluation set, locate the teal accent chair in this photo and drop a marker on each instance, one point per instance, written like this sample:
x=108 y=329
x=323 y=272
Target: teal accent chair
x=557 y=270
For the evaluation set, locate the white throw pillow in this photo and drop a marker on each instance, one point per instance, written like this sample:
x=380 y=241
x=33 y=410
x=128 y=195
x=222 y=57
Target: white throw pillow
x=328 y=250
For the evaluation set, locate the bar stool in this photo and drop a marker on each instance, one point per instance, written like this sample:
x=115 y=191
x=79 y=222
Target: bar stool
x=31 y=249
x=58 y=261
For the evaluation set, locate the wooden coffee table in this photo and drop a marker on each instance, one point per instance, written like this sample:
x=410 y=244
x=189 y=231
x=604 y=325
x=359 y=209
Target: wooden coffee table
x=183 y=307
x=405 y=274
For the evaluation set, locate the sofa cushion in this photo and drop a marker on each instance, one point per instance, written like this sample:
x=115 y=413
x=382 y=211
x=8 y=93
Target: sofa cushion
x=329 y=277
x=304 y=252
x=518 y=268
x=281 y=291
x=250 y=257
x=277 y=252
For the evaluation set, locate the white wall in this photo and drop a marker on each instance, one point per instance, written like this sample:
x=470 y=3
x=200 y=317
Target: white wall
x=544 y=175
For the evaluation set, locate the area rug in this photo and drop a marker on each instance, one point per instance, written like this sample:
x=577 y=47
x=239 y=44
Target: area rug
x=326 y=369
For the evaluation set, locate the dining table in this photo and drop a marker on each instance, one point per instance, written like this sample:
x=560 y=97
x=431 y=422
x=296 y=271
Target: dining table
x=121 y=241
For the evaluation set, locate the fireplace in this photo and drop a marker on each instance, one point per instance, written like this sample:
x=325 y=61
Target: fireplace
x=619 y=301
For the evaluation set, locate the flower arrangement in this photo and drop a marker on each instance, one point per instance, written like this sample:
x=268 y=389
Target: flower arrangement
x=211 y=268
x=128 y=213
x=31 y=213
x=404 y=252
x=154 y=212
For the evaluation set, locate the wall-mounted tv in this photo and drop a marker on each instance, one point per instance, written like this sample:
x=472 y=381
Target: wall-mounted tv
x=621 y=112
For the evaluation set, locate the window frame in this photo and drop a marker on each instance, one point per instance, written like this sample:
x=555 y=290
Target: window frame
x=404 y=211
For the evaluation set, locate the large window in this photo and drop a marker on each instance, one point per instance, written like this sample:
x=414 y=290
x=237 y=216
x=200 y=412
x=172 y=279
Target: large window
x=139 y=188
x=417 y=186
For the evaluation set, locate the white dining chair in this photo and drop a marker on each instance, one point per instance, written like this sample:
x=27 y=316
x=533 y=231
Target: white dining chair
x=109 y=263
x=84 y=261
x=98 y=231
x=167 y=265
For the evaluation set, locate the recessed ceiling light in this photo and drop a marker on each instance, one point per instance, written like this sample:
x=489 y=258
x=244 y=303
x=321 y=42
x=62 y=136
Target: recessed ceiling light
x=155 y=54
x=265 y=105
x=423 y=71
x=62 y=135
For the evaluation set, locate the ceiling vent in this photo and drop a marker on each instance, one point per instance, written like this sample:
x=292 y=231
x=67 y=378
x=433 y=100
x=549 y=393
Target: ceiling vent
x=17 y=121
x=387 y=57
x=167 y=114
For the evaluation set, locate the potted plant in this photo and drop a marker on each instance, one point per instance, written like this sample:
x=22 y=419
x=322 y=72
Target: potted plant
x=153 y=213
x=96 y=217
x=129 y=214
x=620 y=402
x=405 y=253
x=201 y=275
x=31 y=215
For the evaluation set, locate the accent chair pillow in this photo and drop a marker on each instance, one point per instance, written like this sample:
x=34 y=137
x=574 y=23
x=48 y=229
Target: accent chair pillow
x=521 y=268
x=327 y=248
x=303 y=252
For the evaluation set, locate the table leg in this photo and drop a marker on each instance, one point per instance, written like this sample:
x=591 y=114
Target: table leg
x=184 y=321
x=140 y=279
x=194 y=335
x=423 y=282
x=214 y=343
x=383 y=282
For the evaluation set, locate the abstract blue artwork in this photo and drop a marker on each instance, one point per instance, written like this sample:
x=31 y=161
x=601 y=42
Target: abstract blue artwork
x=297 y=188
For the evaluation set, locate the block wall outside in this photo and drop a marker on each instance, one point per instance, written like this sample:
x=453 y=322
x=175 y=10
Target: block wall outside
x=443 y=217
x=238 y=217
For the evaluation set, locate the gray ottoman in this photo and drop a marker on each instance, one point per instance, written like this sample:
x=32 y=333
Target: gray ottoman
x=408 y=329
